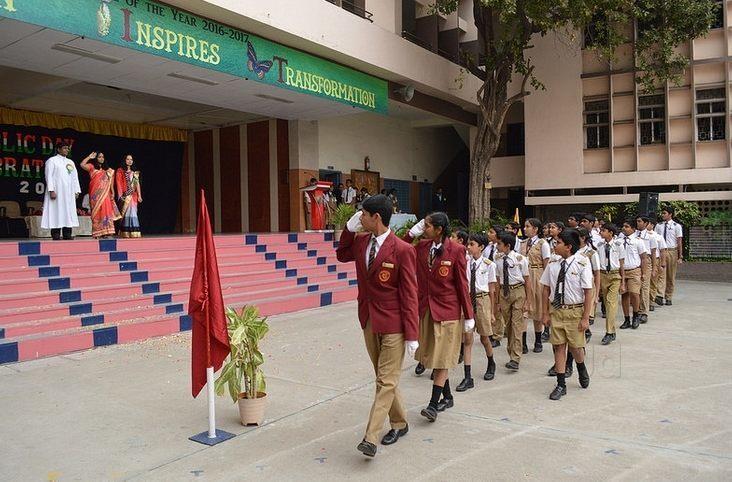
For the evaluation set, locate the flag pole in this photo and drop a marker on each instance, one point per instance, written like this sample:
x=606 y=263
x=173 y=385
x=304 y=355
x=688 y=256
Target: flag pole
x=209 y=366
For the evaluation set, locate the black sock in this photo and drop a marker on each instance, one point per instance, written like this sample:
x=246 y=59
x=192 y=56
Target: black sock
x=436 y=392
x=490 y=361
x=523 y=338
x=446 y=393
x=570 y=359
x=537 y=338
x=582 y=368
x=467 y=371
x=560 y=380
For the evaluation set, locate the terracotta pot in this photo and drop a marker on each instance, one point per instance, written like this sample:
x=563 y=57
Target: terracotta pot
x=251 y=410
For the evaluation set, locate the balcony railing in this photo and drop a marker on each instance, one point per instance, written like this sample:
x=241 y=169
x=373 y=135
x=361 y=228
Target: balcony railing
x=353 y=8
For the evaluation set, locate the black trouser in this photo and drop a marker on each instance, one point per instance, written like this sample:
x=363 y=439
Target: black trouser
x=56 y=233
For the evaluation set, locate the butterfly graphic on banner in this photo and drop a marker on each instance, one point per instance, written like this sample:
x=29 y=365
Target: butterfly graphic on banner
x=258 y=67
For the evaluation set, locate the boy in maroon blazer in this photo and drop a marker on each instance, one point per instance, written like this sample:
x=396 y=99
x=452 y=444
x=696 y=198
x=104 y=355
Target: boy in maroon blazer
x=387 y=310
x=443 y=298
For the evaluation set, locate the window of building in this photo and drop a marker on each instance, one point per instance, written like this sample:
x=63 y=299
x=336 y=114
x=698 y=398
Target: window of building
x=652 y=119
x=597 y=124
x=710 y=114
x=718 y=21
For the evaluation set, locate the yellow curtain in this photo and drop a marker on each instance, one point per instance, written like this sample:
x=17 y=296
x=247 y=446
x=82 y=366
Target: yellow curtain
x=95 y=126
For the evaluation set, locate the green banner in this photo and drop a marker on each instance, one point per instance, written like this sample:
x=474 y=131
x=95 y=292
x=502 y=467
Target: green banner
x=160 y=29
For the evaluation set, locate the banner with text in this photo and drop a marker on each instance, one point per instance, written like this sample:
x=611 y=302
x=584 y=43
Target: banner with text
x=169 y=32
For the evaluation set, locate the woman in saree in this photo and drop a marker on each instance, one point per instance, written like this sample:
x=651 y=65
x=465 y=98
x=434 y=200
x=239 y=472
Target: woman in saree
x=104 y=211
x=130 y=196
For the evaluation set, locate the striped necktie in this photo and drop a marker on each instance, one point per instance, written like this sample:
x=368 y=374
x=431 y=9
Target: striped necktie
x=473 y=292
x=559 y=295
x=372 y=253
x=433 y=253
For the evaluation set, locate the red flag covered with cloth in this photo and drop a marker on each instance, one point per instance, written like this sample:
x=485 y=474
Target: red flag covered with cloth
x=206 y=306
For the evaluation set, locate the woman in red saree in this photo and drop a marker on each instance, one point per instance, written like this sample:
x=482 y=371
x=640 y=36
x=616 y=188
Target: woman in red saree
x=104 y=211
x=130 y=195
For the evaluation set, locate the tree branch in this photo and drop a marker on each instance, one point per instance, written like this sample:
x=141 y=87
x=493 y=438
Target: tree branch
x=523 y=92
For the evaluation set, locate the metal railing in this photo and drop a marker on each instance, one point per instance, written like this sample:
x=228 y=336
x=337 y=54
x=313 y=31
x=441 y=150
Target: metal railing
x=416 y=40
x=353 y=8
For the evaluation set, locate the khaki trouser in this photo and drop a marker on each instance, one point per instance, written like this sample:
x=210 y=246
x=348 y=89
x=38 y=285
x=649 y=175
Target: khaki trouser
x=609 y=290
x=645 y=284
x=672 y=262
x=658 y=282
x=513 y=315
x=499 y=326
x=386 y=352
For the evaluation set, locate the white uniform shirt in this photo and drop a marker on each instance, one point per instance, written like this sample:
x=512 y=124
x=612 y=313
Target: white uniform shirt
x=518 y=267
x=634 y=248
x=379 y=241
x=553 y=256
x=648 y=239
x=617 y=252
x=348 y=195
x=490 y=251
x=595 y=235
x=660 y=243
x=594 y=259
x=578 y=278
x=672 y=231
x=485 y=273
x=62 y=177
x=546 y=250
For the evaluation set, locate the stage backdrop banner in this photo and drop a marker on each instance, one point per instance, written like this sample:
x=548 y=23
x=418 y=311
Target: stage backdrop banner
x=24 y=151
x=175 y=34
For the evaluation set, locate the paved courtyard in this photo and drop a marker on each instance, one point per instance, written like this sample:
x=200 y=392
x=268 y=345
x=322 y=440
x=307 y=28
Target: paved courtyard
x=658 y=408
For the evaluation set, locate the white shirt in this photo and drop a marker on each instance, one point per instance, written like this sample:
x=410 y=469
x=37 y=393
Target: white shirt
x=379 y=241
x=578 y=278
x=490 y=251
x=673 y=231
x=594 y=257
x=518 y=267
x=617 y=252
x=595 y=235
x=517 y=245
x=546 y=250
x=553 y=256
x=348 y=195
x=648 y=239
x=634 y=248
x=660 y=243
x=485 y=273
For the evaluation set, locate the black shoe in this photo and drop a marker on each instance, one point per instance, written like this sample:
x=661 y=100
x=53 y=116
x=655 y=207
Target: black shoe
x=490 y=372
x=419 y=369
x=56 y=234
x=466 y=384
x=659 y=301
x=651 y=308
x=430 y=413
x=558 y=392
x=635 y=324
x=608 y=338
x=643 y=319
x=584 y=378
x=512 y=365
x=568 y=370
x=537 y=347
x=393 y=435
x=592 y=321
x=524 y=350
x=625 y=325
x=545 y=335
x=495 y=343
x=444 y=404
x=588 y=335
x=552 y=372
x=366 y=448
x=668 y=302
x=604 y=314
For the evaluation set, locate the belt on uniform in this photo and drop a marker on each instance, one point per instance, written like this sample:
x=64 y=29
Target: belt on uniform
x=536 y=266
x=612 y=271
x=482 y=294
x=570 y=307
x=669 y=249
x=631 y=269
x=513 y=287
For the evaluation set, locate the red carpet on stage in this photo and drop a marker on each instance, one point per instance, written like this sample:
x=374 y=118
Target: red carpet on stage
x=62 y=296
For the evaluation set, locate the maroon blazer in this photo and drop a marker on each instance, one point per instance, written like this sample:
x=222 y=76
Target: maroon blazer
x=444 y=288
x=387 y=293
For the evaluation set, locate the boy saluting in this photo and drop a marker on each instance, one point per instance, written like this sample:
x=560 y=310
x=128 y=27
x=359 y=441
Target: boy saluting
x=568 y=301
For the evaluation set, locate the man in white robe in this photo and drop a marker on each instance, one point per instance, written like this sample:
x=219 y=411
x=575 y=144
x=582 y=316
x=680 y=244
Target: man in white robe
x=62 y=189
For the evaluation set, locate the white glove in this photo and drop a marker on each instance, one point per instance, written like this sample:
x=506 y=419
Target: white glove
x=354 y=224
x=412 y=348
x=417 y=230
x=468 y=324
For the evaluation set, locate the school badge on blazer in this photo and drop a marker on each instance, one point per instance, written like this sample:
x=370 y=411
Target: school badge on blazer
x=444 y=271
x=384 y=276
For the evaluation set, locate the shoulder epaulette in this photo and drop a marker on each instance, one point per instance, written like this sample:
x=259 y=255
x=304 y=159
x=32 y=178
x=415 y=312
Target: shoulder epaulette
x=519 y=257
x=487 y=261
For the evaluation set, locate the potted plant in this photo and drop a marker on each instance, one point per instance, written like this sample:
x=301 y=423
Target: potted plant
x=246 y=329
x=341 y=215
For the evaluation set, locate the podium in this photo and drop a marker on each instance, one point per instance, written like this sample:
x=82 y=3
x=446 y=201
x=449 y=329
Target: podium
x=315 y=193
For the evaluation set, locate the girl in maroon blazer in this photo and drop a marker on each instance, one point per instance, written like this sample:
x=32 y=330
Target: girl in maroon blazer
x=443 y=298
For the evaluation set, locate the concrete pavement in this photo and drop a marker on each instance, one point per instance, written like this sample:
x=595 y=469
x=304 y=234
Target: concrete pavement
x=658 y=408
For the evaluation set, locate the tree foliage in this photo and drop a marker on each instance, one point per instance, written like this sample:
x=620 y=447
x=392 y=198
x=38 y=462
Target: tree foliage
x=506 y=29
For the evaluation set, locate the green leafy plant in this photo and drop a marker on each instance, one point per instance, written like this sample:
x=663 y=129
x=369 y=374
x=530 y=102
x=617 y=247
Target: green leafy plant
x=402 y=230
x=685 y=212
x=717 y=218
x=342 y=214
x=246 y=329
x=608 y=212
x=480 y=226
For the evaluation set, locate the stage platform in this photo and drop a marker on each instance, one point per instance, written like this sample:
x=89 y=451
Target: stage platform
x=63 y=296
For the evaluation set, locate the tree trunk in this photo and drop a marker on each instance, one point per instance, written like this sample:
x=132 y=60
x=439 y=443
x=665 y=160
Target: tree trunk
x=485 y=147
